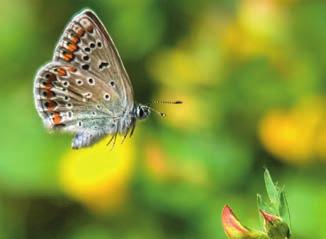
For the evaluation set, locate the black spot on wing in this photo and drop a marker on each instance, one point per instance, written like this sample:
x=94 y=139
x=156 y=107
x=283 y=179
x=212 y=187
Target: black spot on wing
x=103 y=65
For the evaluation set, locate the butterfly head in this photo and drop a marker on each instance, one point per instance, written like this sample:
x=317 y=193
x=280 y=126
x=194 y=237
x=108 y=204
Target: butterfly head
x=142 y=111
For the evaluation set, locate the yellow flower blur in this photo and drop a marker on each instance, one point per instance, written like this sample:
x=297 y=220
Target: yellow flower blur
x=257 y=30
x=183 y=70
x=264 y=19
x=297 y=135
x=98 y=176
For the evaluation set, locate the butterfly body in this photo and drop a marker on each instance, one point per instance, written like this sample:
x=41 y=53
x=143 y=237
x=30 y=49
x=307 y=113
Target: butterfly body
x=96 y=130
x=85 y=89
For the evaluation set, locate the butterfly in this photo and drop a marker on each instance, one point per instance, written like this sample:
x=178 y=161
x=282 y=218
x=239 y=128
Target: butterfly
x=85 y=89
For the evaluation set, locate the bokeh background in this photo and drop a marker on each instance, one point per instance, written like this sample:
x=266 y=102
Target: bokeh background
x=252 y=76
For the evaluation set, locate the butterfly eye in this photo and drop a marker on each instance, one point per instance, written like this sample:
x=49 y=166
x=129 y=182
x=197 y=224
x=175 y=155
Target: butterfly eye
x=140 y=113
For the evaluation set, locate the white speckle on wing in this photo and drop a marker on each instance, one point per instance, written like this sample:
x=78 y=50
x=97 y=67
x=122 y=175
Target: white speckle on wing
x=106 y=96
x=79 y=82
x=91 y=81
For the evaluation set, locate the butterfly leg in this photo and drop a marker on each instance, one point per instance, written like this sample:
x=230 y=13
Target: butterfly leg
x=125 y=136
x=112 y=140
x=132 y=129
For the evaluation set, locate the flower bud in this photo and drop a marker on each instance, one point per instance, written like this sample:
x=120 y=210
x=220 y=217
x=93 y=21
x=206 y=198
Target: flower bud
x=275 y=227
x=235 y=230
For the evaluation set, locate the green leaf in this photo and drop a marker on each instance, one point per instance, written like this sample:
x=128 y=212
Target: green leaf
x=259 y=201
x=260 y=206
x=284 y=209
x=272 y=191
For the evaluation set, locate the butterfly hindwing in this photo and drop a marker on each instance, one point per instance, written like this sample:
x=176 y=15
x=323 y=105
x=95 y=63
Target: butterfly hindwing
x=74 y=101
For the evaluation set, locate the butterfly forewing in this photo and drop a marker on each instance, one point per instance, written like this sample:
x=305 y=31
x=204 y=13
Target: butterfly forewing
x=86 y=87
x=87 y=45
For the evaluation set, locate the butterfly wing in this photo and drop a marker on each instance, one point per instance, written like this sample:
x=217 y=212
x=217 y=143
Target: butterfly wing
x=72 y=100
x=86 y=88
x=87 y=44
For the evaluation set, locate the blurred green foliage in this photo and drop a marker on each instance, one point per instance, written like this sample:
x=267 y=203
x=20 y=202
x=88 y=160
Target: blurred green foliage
x=252 y=76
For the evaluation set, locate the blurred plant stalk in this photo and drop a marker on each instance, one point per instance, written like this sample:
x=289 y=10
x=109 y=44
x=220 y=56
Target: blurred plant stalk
x=275 y=214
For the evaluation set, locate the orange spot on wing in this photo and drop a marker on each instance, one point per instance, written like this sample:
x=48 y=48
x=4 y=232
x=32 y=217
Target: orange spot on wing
x=71 y=68
x=48 y=83
x=50 y=105
x=78 y=30
x=61 y=71
x=49 y=93
x=74 y=39
x=67 y=56
x=71 y=47
x=56 y=118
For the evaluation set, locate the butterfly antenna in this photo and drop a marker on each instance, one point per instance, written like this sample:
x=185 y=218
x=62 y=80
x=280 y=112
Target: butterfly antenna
x=176 y=102
x=158 y=112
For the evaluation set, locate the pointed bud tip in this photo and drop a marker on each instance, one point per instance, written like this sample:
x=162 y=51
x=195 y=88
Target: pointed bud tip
x=226 y=211
x=268 y=217
x=231 y=224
